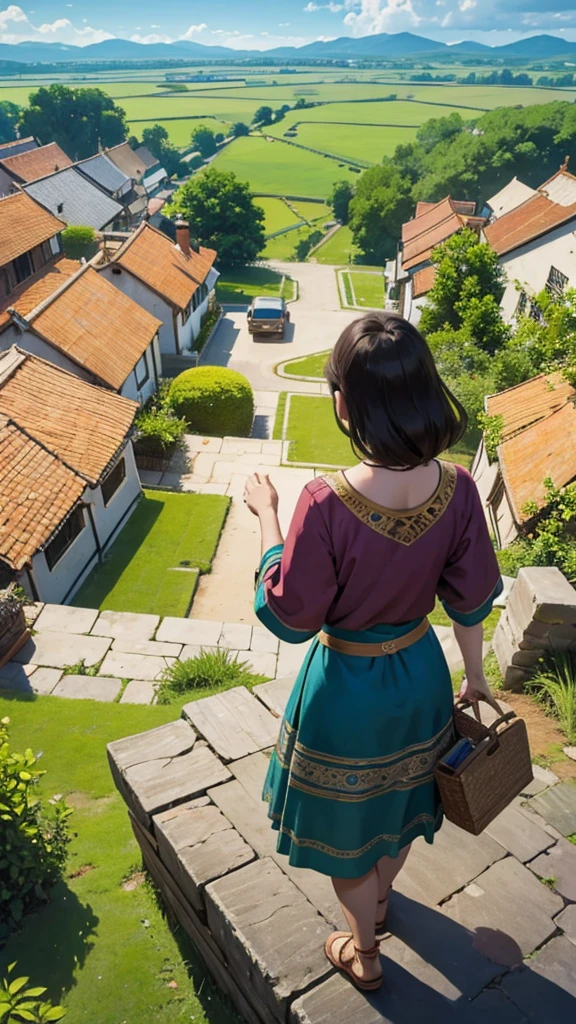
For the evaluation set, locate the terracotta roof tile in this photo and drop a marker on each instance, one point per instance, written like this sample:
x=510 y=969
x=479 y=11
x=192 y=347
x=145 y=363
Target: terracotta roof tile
x=423 y=281
x=38 y=492
x=536 y=217
x=155 y=260
x=527 y=403
x=82 y=425
x=36 y=163
x=419 y=249
x=98 y=327
x=426 y=219
x=25 y=298
x=422 y=207
x=23 y=225
x=546 y=449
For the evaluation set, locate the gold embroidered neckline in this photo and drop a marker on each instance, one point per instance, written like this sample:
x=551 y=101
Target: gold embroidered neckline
x=402 y=525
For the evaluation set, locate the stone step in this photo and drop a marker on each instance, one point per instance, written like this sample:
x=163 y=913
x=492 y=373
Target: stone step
x=234 y=723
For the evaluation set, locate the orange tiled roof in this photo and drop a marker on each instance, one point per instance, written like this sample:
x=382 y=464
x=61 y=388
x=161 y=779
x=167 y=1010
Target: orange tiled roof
x=422 y=207
x=23 y=225
x=530 y=402
x=546 y=449
x=38 y=288
x=419 y=249
x=38 y=492
x=82 y=425
x=37 y=163
x=423 y=281
x=155 y=260
x=98 y=327
x=536 y=217
x=426 y=219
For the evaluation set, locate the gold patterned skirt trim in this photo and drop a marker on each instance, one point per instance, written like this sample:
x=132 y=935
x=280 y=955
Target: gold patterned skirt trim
x=355 y=761
x=314 y=844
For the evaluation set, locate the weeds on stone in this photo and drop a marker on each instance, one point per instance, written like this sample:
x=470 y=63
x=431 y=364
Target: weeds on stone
x=550 y=882
x=80 y=669
x=211 y=671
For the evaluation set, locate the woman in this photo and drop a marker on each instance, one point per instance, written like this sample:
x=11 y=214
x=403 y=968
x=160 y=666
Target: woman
x=351 y=784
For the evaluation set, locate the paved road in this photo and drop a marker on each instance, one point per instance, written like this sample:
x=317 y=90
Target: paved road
x=316 y=322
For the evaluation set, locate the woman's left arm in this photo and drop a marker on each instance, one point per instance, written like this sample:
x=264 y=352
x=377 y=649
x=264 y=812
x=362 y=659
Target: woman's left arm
x=262 y=499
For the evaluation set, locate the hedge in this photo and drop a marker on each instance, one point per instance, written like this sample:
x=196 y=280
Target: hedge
x=214 y=400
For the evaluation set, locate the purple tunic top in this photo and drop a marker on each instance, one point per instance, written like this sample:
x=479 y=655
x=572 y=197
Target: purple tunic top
x=353 y=564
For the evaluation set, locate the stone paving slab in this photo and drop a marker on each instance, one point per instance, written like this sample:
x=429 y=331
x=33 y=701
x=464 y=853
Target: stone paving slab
x=433 y=872
x=189 y=631
x=235 y=636
x=194 y=651
x=510 y=910
x=567 y=922
x=234 y=723
x=138 y=691
x=275 y=694
x=545 y=988
x=543 y=778
x=44 y=680
x=291 y=656
x=270 y=934
x=88 y=688
x=151 y=648
x=558 y=863
x=260 y=663
x=135 y=666
x=58 y=650
x=126 y=625
x=519 y=835
x=64 y=618
x=32 y=611
x=558 y=807
x=166 y=741
x=16 y=677
x=264 y=640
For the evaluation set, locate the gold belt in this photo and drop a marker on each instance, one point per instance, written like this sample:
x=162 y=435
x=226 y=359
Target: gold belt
x=374 y=650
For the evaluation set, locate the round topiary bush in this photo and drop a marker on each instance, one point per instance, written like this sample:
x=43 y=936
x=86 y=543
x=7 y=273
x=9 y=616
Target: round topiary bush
x=214 y=400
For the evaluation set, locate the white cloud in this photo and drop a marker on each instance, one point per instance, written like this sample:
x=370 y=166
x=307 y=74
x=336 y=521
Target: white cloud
x=330 y=6
x=194 y=30
x=16 y=27
x=376 y=16
x=154 y=37
x=467 y=5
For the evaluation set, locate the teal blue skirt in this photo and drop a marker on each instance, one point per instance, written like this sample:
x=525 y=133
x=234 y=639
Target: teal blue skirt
x=352 y=776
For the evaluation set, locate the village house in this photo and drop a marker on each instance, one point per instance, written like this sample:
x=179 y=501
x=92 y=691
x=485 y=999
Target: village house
x=17 y=146
x=155 y=176
x=77 y=200
x=537 y=440
x=115 y=183
x=536 y=243
x=30 y=165
x=432 y=224
x=172 y=281
x=69 y=478
x=72 y=317
x=125 y=159
x=509 y=198
x=29 y=240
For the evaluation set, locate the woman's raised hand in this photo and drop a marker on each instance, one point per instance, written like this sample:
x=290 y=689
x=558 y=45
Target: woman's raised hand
x=260 y=495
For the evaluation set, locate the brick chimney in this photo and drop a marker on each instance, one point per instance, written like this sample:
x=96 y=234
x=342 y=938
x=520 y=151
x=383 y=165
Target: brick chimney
x=183 y=236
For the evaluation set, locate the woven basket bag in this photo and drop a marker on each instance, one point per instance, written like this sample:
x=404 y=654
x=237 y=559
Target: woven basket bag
x=495 y=772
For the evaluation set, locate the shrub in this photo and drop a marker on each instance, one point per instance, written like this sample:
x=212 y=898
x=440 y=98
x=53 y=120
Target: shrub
x=158 y=431
x=555 y=687
x=211 y=670
x=209 y=320
x=214 y=400
x=34 y=837
x=19 y=1002
x=78 y=242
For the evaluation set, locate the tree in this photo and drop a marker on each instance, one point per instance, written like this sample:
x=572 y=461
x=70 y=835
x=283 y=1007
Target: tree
x=203 y=140
x=9 y=114
x=339 y=200
x=380 y=206
x=264 y=115
x=439 y=129
x=79 y=120
x=156 y=140
x=79 y=241
x=223 y=215
x=239 y=129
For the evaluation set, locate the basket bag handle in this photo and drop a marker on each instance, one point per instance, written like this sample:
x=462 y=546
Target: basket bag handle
x=463 y=702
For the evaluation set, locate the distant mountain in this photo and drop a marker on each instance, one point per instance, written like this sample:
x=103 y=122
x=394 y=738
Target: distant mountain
x=402 y=44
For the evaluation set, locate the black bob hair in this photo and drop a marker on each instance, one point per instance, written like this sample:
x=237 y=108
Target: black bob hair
x=400 y=412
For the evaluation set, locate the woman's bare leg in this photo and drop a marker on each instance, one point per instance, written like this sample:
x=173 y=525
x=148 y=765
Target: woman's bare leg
x=358 y=898
x=387 y=868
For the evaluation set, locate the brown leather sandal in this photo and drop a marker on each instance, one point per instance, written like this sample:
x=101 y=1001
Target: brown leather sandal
x=381 y=930
x=348 y=966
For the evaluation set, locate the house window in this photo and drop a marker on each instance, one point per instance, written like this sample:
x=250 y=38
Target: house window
x=22 y=267
x=186 y=312
x=4 y=284
x=55 y=245
x=556 y=282
x=65 y=537
x=112 y=482
x=522 y=304
x=141 y=370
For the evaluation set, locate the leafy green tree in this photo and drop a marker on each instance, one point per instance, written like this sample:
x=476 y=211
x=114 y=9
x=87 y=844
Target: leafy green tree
x=264 y=115
x=156 y=139
x=239 y=129
x=439 y=129
x=339 y=200
x=9 y=114
x=223 y=214
x=203 y=140
x=550 y=339
x=79 y=241
x=380 y=206
x=79 y=120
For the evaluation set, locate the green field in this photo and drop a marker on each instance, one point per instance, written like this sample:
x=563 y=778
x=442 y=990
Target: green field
x=368 y=289
x=276 y=167
x=180 y=131
x=283 y=246
x=241 y=286
x=309 y=366
x=313 y=212
x=339 y=249
x=278 y=214
x=354 y=142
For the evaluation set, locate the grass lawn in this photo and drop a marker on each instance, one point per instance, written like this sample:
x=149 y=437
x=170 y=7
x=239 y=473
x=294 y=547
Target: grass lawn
x=280 y=168
x=338 y=250
x=355 y=141
x=165 y=531
x=310 y=366
x=279 y=418
x=104 y=951
x=283 y=246
x=242 y=285
x=278 y=214
x=368 y=289
x=313 y=212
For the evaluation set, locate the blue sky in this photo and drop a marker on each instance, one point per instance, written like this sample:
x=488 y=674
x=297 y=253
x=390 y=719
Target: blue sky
x=258 y=24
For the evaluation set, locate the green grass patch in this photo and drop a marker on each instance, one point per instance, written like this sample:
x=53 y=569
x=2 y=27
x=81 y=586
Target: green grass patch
x=313 y=212
x=339 y=249
x=103 y=950
x=278 y=214
x=355 y=141
x=279 y=418
x=211 y=672
x=310 y=366
x=280 y=168
x=283 y=247
x=368 y=289
x=166 y=531
x=348 y=297
x=243 y=284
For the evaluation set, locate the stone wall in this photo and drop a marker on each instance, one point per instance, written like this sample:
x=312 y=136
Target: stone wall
x=540 y=618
